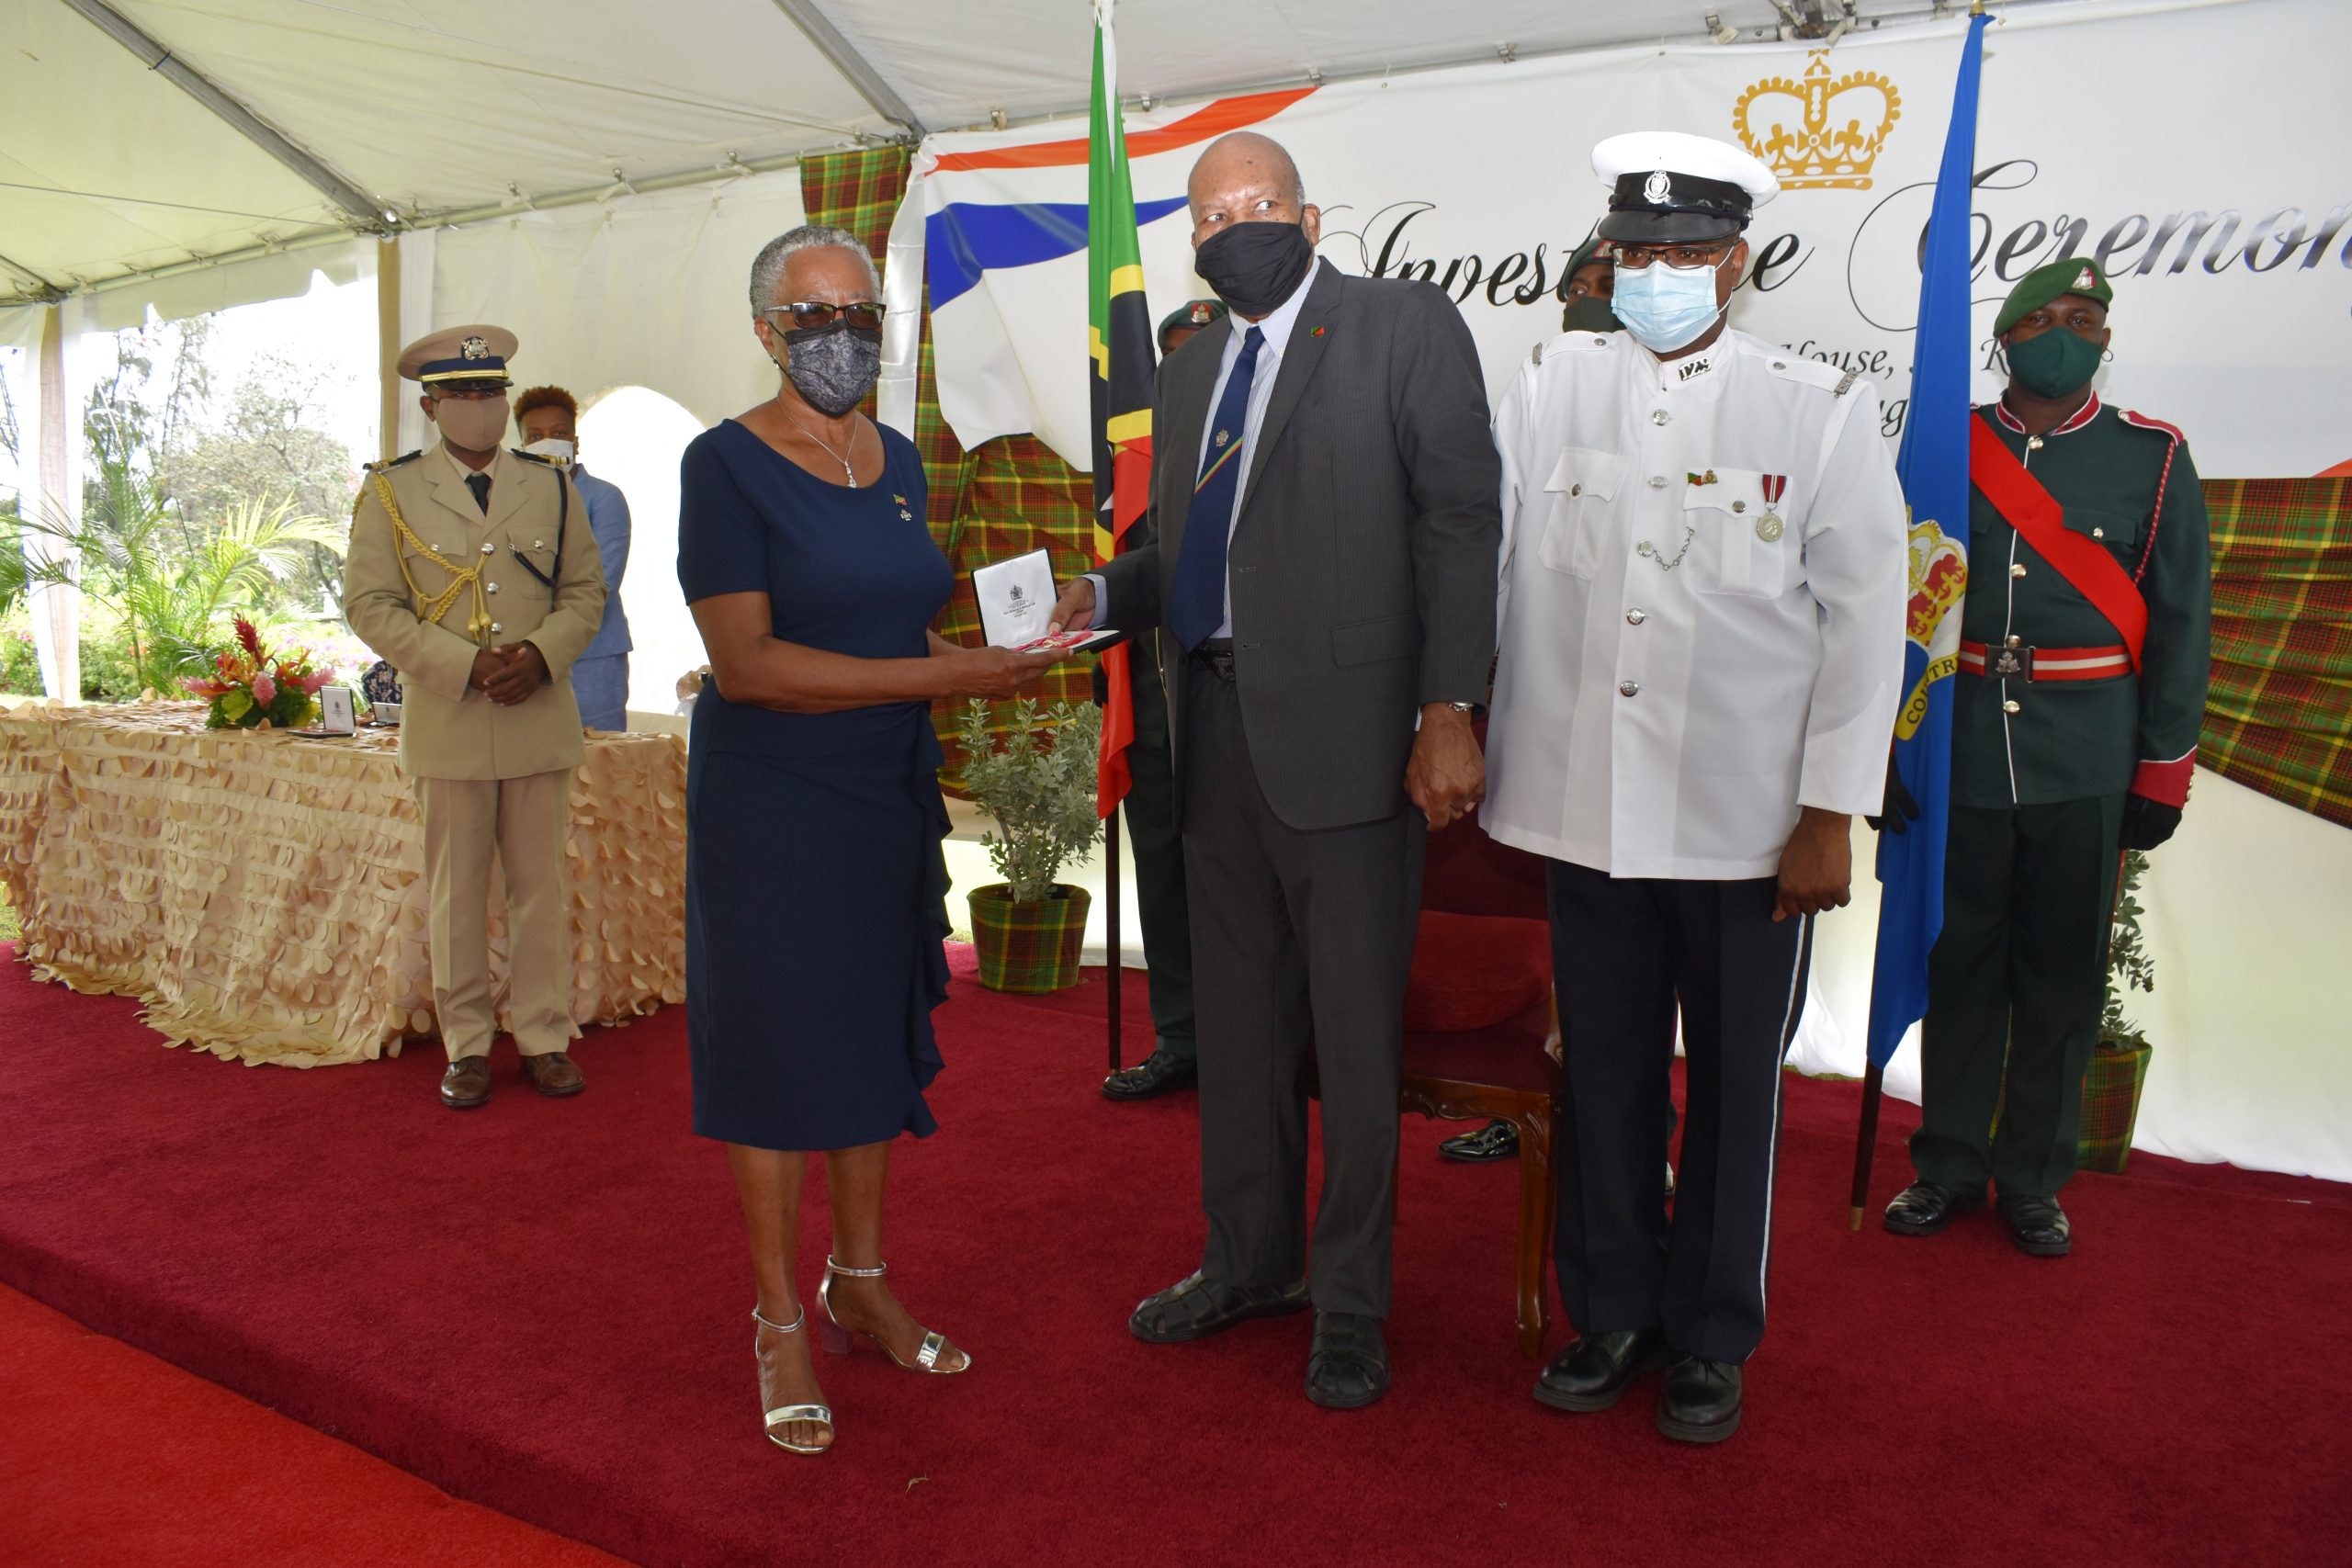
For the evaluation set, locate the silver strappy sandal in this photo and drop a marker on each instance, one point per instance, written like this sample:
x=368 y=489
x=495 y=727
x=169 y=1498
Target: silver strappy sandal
x=835 y=1338
x=784 y=1415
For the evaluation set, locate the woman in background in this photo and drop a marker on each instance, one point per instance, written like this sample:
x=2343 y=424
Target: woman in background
x=815 y=889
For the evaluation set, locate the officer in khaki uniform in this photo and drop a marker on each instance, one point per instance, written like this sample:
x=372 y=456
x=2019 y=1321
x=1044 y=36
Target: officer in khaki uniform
x=473 y=572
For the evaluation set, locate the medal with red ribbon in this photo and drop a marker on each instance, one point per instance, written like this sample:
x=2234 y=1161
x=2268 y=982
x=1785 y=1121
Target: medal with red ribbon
x=1768 y=527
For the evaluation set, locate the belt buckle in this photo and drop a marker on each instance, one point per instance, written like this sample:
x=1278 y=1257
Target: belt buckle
x=2010 y=665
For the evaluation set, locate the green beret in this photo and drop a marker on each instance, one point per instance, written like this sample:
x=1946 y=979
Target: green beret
x=2044 y=284
x=1593 y=250
x=1192 y=313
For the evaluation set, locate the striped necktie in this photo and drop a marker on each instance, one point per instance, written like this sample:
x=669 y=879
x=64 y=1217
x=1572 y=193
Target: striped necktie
x=1197 y=600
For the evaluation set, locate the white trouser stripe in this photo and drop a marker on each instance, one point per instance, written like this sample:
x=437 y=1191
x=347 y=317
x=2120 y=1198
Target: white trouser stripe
x=1780 y=1078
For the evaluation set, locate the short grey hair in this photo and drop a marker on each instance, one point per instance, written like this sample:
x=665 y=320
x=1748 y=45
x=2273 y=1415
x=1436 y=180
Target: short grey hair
x=767 y=268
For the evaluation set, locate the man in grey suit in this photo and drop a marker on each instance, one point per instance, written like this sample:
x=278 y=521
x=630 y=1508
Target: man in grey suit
x=1320 y=565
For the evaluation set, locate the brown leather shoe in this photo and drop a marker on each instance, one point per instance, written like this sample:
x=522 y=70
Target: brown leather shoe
x=467 y=1083
x=554 y=1075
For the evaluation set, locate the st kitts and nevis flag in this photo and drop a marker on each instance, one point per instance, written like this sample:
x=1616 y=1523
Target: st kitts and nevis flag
x=1932 y=464
x=1120 y=359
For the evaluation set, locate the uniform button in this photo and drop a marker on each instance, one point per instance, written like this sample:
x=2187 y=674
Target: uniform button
x=539 y=544
x=1740 y=506
x=1657 y=482
x=1628 y=688
x=487 y=549
x=2010 y=706
x=2016 y=641
x=1660 y=416
x=1635 y=617
x=2033 y=443
x=492 y=587
x=2017 y=569
x=2098 y=533
x=1576 y=490
x=1779 y=364
x=496 y=627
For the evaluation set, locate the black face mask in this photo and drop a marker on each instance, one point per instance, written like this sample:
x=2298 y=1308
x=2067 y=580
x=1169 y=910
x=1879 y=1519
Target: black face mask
x=834 y=366
x=1254 y=267
x=1589 y=313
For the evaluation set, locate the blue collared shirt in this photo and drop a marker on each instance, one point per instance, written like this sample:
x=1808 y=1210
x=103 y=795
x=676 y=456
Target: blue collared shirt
x=608 y=520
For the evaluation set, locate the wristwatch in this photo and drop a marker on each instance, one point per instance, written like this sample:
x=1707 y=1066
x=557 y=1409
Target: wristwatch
x=1464 y=708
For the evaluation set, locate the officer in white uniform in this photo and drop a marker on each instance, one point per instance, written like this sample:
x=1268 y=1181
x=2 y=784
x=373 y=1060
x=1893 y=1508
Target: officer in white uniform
x=1704 y=575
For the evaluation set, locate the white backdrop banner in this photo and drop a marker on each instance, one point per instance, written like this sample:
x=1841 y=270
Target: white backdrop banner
x=2184 y=145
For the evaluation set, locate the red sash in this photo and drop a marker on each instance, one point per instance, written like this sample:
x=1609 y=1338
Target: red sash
x=2034 y=513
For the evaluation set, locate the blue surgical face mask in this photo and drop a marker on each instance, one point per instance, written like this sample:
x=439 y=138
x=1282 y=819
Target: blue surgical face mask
x=1665 y=307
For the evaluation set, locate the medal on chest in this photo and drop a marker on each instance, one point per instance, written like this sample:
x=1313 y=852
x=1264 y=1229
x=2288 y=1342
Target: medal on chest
x=1769 y=526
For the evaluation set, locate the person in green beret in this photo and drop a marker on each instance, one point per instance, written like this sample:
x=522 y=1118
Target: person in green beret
x=2083 y=661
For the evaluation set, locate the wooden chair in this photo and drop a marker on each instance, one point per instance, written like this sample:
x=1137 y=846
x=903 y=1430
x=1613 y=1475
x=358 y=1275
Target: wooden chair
x=1481 y=1023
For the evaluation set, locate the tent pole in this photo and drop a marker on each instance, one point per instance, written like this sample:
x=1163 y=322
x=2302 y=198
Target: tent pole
x=850 y=64
x=364 y=210
x=56 y=607
x=388 y=346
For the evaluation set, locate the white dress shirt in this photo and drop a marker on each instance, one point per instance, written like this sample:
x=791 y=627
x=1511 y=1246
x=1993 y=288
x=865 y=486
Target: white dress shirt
x=1705 y=575
x=1277 y=330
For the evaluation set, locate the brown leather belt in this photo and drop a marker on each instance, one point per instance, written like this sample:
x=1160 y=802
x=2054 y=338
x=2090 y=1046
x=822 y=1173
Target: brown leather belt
x=2015 y=661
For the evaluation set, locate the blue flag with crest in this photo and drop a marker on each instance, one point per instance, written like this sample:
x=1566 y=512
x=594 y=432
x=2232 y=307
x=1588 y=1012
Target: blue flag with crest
x=1932 y=464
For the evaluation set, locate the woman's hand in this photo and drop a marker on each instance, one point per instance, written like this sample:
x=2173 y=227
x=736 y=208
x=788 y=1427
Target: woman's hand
x=994 y=672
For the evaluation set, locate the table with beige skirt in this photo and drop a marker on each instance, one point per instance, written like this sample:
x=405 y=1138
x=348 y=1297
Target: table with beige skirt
x=265 y=894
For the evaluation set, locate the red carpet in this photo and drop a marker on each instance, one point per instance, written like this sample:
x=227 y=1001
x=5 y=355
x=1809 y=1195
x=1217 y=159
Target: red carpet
x=133 y=1461
x=541 y=1308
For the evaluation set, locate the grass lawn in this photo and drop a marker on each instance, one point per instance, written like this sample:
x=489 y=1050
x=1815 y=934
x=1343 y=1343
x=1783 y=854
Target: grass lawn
x=7 y=924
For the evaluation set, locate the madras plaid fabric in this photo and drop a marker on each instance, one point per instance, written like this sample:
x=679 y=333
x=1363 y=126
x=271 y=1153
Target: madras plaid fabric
x=2278 y=712
x=1010 y=497
x=2110 y=1105
x=1036 y=946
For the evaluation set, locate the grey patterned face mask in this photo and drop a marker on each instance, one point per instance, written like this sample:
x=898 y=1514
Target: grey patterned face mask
x=834 y=365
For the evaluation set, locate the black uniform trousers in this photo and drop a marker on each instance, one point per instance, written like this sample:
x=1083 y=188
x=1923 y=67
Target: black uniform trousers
x=1626 y=953
x=2015 y=987
x=1159 y=859
x=1301 y=942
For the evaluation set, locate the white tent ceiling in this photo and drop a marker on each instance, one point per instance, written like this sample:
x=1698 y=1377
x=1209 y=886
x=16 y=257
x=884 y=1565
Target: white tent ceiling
x=423 y=110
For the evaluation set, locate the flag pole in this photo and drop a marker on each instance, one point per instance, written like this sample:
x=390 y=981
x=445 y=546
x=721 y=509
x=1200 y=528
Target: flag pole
x=1866 y=1144
x=1112 y=957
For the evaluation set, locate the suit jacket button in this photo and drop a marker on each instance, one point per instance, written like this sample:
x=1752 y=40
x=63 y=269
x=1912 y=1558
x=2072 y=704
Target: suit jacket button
x=1628 y=688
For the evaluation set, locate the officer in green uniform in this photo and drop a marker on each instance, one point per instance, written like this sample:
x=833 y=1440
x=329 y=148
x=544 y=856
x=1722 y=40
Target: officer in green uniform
x=2075 y=713
x=1160 y=848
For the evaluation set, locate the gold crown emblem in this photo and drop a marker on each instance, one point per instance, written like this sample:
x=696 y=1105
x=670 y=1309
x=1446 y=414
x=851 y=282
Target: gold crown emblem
x=1818 y=134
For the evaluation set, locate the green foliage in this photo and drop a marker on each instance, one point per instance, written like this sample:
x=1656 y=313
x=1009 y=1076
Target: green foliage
x=2128 y=966
x=168 y=594
x=1039 y=786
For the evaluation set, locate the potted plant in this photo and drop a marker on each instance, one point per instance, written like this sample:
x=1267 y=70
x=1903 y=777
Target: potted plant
x=1039 y=785
x=2118 y=1065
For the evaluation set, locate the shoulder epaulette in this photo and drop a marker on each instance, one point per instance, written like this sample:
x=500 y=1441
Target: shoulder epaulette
x=1810 y=372
x=2131 y=416
x=1569 y=341
x=542 y=458
x=390 y=463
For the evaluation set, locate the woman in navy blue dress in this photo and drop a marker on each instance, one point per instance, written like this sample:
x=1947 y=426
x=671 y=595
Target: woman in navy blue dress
x=815 y=890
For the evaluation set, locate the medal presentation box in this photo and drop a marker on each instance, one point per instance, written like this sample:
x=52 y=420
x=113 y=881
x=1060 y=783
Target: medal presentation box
x=1016 y=599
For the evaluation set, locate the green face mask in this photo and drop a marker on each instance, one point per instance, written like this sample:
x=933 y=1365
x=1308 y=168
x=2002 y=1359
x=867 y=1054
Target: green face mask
x=1589 y=313
x=2056 y=363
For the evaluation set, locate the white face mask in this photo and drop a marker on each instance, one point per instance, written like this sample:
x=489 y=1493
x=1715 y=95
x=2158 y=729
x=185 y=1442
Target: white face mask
x=555 y=447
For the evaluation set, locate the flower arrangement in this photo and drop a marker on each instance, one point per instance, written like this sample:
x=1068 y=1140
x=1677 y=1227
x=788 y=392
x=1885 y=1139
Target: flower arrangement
x=251 y=688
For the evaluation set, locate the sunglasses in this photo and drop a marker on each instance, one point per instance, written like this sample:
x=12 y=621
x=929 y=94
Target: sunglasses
x=807 y=315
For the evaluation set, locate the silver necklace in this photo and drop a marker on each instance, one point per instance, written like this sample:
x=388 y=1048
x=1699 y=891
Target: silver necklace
x=848 y=473
x=1646 y=548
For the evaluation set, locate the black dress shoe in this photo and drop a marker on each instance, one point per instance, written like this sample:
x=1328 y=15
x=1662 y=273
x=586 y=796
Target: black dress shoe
x=1154 y=1074
x=1701 y=1401
x=2038 y=1226
x=1197 y=1306
x=1348 y=1367
x=1496 y=1140
x=1926 y=1207
x=1594 y=1372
